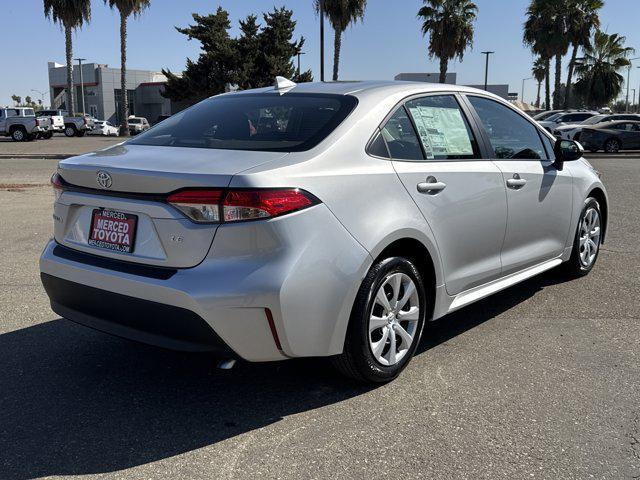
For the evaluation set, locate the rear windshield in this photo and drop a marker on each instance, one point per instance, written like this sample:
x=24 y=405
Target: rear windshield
x=135 y=120
x=268 y=122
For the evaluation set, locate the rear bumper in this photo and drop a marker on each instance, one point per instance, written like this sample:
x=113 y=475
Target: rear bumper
x=133 y=318
x=305 y=268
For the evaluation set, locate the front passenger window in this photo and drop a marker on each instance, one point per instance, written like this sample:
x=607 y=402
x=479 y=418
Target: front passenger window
x=511 y=136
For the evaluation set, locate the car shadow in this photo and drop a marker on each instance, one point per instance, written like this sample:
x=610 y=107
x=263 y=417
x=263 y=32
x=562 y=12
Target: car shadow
x=77 y=402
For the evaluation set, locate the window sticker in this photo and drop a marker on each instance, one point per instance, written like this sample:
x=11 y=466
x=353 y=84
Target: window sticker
x=442 y=131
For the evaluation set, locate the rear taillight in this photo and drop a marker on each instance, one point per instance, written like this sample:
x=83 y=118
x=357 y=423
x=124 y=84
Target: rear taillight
x=201 y=206
x=58 y=185
x=37 y=122
x=86 y=120
x=213 y=206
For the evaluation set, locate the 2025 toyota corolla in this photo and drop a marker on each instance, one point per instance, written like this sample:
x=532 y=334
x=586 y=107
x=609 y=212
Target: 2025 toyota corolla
x=320 y=219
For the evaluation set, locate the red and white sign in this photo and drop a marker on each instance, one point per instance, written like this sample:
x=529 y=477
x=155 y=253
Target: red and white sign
x=113 y=230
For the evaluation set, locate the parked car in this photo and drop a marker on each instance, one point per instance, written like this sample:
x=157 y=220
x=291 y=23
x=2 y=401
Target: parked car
x=612 y=136
x=366 y=210
x=21 y=124
x=138 y=125
x=546 y=114
x=57 y=121
x=104 y=128
x=559 y=119
x=573 y=131
x=76 y=126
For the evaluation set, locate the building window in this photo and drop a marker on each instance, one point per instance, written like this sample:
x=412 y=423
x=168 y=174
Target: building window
x=131 y=100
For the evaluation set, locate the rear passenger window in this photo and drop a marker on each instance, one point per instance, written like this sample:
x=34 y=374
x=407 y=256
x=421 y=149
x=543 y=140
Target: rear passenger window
x=511 y=136
x=377 y=147
x=401 y=137
x=442 y=128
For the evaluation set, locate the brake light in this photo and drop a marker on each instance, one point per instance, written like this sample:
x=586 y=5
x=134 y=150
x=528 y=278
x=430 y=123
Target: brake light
x=86 y=120
x=37 y=122
x=213 y=206
x=201 y=206
x=252 y=204
x=58 y=185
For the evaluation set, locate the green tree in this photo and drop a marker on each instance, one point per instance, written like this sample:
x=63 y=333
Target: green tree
x=126 y=8
x=252 y=60
x=16 y=99
x=449 y=24
x=539 y=72
x=70 y=15
x=277 y=48
x=582 y=19
x=341 y=14
x=599 y=69
x=545 y=33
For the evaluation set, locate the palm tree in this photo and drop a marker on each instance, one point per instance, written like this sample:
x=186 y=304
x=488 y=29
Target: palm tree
x=70 y=15
x=598 y=70
x=539 y=72
x=545 y=33
x=582 y=19
x=449 y=24
x=341 y=13
x=126 y=9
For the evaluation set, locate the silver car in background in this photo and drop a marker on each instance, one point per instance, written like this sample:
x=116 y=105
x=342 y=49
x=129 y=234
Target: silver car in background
x=319 y=219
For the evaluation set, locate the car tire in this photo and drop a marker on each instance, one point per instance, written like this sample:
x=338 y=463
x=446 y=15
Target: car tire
x=593 y=150
x=374 y=330
x=586 y=243
x=80 y=133
x=19 y=135
x=70 y=131
x=612 y=146
x=47 y=135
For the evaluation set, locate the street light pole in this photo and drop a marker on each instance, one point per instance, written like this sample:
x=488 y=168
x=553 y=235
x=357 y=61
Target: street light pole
x=41 y=95
x=299 y=53
x=321 y=9
x=522 y=93
x=84 y=112
x=486 y=69
x=628 y=79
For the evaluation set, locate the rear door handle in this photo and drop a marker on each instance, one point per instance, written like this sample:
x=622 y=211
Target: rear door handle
x=516 y=182
x=431 y=186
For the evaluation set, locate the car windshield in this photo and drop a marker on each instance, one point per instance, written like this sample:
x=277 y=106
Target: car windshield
x=266 y=122
x=594 y=120
x=135 y=120
x=554 y=117
x=28 y=112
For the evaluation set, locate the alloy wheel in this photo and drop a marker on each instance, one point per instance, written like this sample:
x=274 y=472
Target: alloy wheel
x=612 y=146
x=589 y=241
x=393 y=319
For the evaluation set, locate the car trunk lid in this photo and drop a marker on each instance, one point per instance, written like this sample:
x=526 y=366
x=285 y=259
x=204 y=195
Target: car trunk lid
x=137 y=181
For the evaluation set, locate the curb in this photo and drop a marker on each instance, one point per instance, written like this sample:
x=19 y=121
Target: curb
x=42 y=156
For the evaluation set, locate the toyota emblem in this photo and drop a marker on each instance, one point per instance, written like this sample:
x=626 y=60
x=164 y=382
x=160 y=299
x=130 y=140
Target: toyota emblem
x=104 y=179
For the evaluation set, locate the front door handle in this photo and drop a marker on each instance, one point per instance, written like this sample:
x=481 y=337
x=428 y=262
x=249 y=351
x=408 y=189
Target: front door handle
x=431 y=186
x=516 y=182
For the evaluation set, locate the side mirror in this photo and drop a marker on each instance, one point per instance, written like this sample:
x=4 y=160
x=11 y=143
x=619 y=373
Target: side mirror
x=567 y=151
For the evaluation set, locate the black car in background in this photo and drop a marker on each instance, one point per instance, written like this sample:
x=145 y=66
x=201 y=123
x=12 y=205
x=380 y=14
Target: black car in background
x=612 y=136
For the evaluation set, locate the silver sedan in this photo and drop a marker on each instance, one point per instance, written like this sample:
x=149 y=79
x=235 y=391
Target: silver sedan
x=320 y=219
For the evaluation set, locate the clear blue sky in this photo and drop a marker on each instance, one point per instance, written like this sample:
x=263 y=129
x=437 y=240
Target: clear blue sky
x=389 y=41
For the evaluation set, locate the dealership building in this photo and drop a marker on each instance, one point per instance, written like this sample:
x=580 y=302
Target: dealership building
x=102 y=93
x=452 y=78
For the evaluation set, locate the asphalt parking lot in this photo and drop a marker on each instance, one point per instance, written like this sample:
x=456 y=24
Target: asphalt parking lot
x=539 y=381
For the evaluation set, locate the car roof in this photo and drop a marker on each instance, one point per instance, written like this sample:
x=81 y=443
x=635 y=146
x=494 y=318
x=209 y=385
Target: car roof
x=366 y=88
x=615 y=122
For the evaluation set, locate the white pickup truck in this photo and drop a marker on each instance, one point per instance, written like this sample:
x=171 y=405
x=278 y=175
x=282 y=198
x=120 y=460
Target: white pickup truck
x=21 y=124
x=76 y=126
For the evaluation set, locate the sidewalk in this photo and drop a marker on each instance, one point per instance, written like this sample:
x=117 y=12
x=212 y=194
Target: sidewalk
x=57 y=148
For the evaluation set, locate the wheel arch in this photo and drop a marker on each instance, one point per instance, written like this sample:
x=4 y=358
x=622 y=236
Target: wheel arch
x=426 y=262
x=601 y=197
